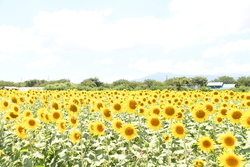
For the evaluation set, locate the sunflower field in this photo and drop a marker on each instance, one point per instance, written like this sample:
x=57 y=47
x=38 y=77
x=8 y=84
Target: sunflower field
x=124 y=128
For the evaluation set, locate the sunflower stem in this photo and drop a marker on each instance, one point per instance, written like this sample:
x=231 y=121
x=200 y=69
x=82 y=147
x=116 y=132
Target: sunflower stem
x=185 y=151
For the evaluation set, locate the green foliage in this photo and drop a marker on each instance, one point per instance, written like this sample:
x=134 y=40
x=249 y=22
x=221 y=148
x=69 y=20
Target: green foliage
x=225 y=80
x=60 y=86
x=120 y=82
x=243 y=81
x=241 y=89
x=92 y=82
x=6 y=83
x=205 y=89
x=201 y=81
x=176 y=83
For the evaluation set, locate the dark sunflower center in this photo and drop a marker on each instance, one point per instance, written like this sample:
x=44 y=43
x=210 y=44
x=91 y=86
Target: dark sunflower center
x=236 y=115
x=200 y=114
x=206 y=143
x=100 y=128
x=117 y=106
x=229 y=141
x=155 y=122
x=118 y=125
x=169 y=110
x=106 y=112
x=129 y=131
x=179 y=130
x=132 y=104
x=223 y=111
x=56 y=115
x=32 y=122
x=232 y=161
x=156 y=111
x=73 y=108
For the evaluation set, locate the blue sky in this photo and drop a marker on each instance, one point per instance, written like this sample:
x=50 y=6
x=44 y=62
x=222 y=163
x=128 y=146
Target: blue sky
x=118 y=39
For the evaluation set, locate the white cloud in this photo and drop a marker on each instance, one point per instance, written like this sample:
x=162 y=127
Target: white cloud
x=47 y=61
x=170 y=66
x=192 y=22
x=15 y=40
x=4 y=57
x=240 y=45
x=190 y=67
x=104 y=61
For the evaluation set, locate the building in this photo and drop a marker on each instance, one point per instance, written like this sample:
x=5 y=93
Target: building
x=220 y=85
x=228 y=86
x=22 y=88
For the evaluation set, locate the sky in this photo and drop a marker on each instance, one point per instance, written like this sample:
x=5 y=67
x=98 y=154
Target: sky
x=122 y=39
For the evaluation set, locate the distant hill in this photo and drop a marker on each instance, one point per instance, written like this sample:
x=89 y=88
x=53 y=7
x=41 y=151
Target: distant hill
x=161 y=76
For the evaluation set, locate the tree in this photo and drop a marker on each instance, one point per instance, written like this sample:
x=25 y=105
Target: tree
x=177 y=82
x=6 y=83
x=243 y=81
x=34 y=82
x=201 y=81
x=225 y=80
x=152 y=84
x=92 y=82
x=120 y=82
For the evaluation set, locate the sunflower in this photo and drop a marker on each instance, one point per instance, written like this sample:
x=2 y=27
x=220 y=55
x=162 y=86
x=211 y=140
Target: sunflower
x=91 y=127
x=12 y=115
x=216 y=100
x=206 y=144
x=30 y=123
x=106 y=114
x=43 y=115
x=5 y=104
x=169 y=112
x=20 y=131
x=230 y=159
x=98 y=128
x=131 y=106
x=235 y=115
x=72 y=120
x=116 y=107
x=247 y=103
x=178 y=130
x=15 y=108
x=154 y=123
x=141 y=111
x=198 y=163
x=55 y=105
x=223 y=112
x=75 y=135
x=227 y=140
x=209 y=107
x=155 y=111
x=179 y=116
x=61 y=125
x=14 y=100
x=200 y=114
x=218 y=119
x=128 y=131
x=245 y=119
x=73 y=109
x=117 y=124
x=27 y=113
x=56 y=115
x=166 y=137
x=98 y=106
x=21 y=99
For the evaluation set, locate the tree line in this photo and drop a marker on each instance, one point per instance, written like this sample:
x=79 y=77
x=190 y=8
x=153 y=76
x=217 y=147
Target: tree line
x=93 y=83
